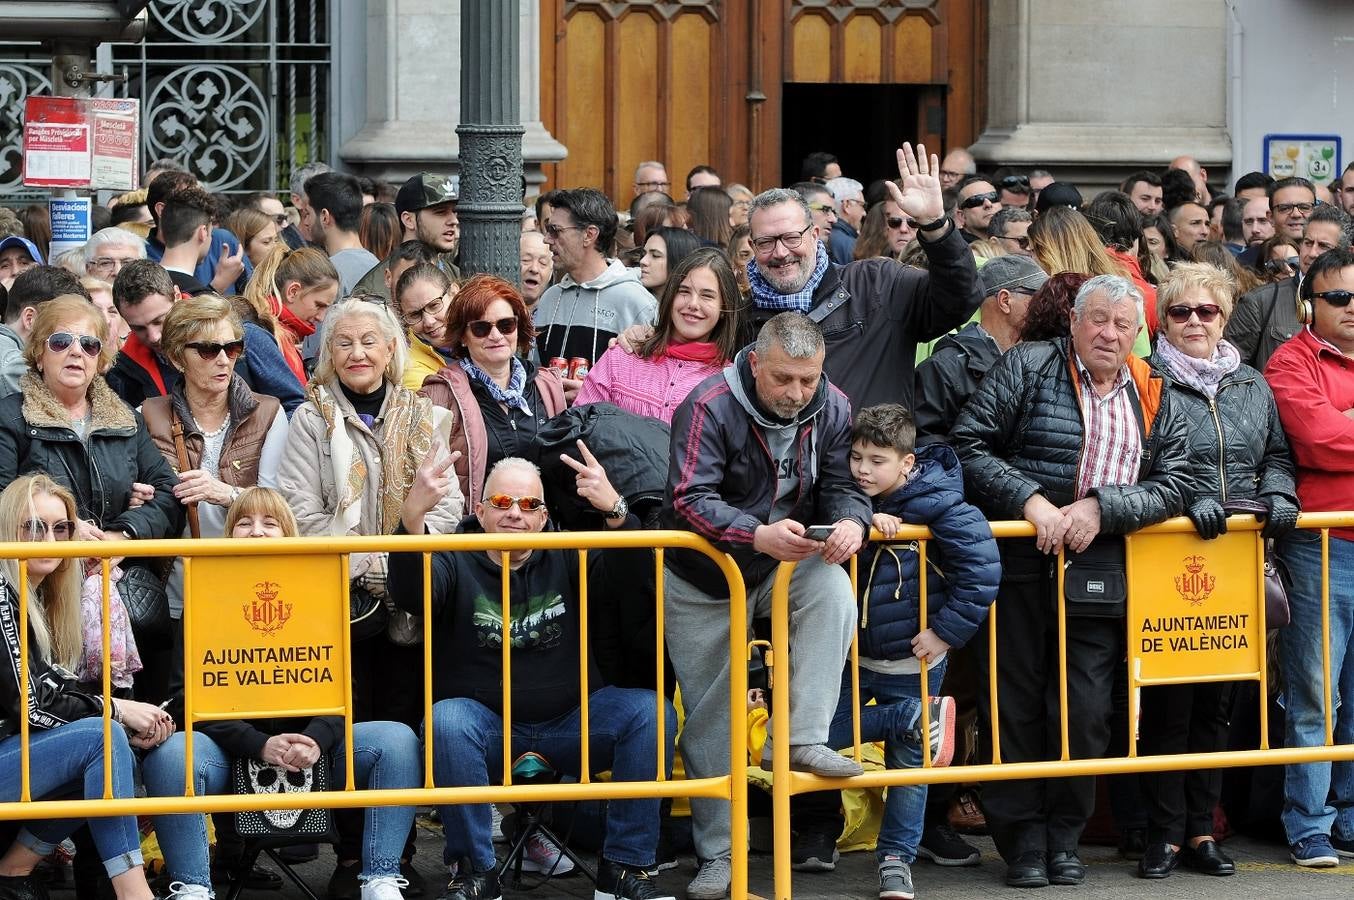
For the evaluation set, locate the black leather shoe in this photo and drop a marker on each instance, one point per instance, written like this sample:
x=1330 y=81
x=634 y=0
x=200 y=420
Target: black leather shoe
x=1158 y=862
x=1207 y=858
x=22 y=887
x=1065 y=867
x=1028 y=870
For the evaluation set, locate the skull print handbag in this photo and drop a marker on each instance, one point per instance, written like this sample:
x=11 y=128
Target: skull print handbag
x=250 y=776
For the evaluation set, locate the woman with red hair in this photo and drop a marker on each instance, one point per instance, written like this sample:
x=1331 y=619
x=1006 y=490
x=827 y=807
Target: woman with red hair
x=500 y=399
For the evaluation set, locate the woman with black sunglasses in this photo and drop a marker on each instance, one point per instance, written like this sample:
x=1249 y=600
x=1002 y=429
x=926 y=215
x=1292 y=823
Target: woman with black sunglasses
x=1237 y=452
x=498 y=397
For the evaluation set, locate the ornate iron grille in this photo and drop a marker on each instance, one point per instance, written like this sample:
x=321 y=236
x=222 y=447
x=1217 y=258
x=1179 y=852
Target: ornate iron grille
x=238 y=91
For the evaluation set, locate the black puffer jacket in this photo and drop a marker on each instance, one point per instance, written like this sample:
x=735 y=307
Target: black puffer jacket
x=35 y=435
x=1022 y=434
x=1237 y=446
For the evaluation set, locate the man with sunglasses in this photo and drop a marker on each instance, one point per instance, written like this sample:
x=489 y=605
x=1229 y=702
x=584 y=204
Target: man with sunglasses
x=544 y=625
x=1014 y=188
x=1267 y=317
x=977 y=203
x=1313 y=386
x=1010 y=228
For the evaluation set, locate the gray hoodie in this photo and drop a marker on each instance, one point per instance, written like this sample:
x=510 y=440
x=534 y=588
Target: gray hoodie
x=579 y=319
x=12 y=362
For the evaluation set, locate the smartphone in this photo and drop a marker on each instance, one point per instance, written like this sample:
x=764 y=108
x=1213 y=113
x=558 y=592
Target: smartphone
x=819 y=532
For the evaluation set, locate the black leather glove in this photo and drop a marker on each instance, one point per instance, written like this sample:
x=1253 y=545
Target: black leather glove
x=1281 y=518
x=1208 y=518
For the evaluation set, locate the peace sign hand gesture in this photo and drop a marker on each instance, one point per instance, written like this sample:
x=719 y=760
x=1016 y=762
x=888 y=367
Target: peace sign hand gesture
x=591 y=481
x=920 y=195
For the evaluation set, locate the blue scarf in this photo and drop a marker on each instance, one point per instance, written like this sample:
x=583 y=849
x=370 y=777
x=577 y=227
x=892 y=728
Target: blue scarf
x=767 y=297
x=513 y=395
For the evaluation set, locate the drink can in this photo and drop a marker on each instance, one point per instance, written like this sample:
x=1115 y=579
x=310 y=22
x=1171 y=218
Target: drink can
x=559 y=364
x=579 y=367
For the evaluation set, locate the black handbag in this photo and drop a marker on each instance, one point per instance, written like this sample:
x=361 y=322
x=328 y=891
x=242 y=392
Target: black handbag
x=146 y=601
x=252 y=777
x=1095 y=581
x=367 y=613
x=1277 y=578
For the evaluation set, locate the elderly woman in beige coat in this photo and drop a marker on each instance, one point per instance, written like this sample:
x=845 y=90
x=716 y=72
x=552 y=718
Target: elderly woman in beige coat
x=354 y=450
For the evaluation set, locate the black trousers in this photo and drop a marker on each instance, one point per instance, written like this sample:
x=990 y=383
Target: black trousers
x=1183 y=718
x=1045 y=815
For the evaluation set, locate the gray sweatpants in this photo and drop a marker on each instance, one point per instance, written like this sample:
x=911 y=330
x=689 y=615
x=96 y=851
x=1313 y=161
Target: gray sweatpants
x=822 y=618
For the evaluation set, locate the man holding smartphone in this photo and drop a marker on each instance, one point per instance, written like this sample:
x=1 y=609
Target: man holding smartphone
x=760 y=453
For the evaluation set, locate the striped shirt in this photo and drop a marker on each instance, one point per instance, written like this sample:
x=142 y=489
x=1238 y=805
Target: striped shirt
x=1111 y=447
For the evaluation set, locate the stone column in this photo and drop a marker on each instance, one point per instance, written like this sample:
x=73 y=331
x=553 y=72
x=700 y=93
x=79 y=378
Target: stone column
x=490 y=137
x=1095 y=89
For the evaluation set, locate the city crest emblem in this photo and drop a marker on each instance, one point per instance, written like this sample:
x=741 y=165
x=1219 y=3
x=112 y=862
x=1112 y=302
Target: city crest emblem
x=1194 y=584
x=266 y=612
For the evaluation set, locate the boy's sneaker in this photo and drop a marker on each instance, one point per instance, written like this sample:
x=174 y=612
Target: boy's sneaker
x=712 y=880
x=819 y=759
x=943 y=846
x=941 y=713
x=895 y=879
x=384 y=887
x=814 y=852
x=496 y=824
x=181 y=890
x=1343 y=847
x=618 y=882
x=544 y=856
x=474 y=886
x=1314 y=852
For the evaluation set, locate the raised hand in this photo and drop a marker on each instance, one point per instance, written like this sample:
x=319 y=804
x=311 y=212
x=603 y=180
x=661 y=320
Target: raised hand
x=920 y=196
x=591 y=481
x=432 y=482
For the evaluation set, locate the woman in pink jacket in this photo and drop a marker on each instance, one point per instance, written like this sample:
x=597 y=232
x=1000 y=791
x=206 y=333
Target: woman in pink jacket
x=697 y=334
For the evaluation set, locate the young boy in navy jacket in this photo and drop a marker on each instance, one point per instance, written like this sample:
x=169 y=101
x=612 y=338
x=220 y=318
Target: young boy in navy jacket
x=913 y=487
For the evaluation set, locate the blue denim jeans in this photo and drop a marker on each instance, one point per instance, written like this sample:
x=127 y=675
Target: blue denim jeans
x=385 y=755
x=1318 y=796
x=468 y=751
x=65 y=762
x=892 y=719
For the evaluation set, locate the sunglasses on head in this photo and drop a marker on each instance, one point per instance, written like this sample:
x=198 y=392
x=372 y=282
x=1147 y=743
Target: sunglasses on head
x=1278 y=265
x=525 y=504
x=209 y=350
x=1015 y=183
x=1335 y=298
x=37 y=529
x=481 y=328
x=1206 y=312
x=979 y=199
x=60 y=342
x=896 y=222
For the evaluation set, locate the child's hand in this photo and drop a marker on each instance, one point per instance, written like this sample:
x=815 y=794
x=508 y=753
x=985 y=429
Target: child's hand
x=927 y=646
x=887 y=524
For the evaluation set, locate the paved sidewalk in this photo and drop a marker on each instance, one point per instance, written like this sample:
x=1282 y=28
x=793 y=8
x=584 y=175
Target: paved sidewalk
x=1265 y=872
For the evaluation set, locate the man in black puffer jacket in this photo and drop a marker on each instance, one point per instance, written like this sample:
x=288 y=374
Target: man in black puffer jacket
x=1079 y=438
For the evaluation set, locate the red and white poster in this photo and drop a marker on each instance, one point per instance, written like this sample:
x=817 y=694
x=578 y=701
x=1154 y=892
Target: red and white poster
x=72 y=142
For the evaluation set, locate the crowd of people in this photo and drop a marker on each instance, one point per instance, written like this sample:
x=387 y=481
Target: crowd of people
x=778 y=372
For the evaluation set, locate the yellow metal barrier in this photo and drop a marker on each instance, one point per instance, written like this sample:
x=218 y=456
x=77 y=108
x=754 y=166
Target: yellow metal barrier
x=787 y=783
x=210 y=553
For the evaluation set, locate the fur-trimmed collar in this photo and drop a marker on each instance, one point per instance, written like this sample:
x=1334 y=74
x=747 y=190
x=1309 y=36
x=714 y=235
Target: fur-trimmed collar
x=107 y=412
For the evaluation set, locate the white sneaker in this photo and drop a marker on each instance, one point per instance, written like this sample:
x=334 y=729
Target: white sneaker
x=712 y=880
x=542 y=855
x=182 y=890
x=384 y=887
x=496 y=824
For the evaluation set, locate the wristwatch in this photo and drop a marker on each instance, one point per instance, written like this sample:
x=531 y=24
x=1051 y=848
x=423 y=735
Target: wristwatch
x=934 y=224
x=619 y=511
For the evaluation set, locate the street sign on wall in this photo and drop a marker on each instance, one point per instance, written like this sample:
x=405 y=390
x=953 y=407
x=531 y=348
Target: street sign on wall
x=73 y=142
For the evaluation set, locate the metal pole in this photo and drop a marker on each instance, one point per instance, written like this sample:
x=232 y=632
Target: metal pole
x=490 y=138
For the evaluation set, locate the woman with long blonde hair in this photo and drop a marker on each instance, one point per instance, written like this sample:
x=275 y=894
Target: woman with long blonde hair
x=65 y=722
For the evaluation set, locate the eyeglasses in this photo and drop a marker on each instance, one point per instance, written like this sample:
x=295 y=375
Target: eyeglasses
x=823 y=207
x=1023 y=242
x=1279 y=265
x=979 y=199
x=61 y=341
x=525 y=504
x=281 y=220
x=791 y=240
x=210 y=350
x=37 y=530
x=434 y=307
x=1018 y=184
x=107 y=263
x=556 y=230
x=1335 y=298
x=896 y=222
x=1206 y=312
x=1284 y=209
x=653 y=185
x=481 y=328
